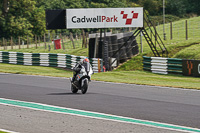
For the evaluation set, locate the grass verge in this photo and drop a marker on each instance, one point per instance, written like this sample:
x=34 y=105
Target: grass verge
x=130 y=77
x=78 y=51
x=35 y=70
x=3 y=132
x=148 y=78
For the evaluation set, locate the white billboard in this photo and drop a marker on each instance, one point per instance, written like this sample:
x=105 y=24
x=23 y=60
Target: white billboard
x=104 y=17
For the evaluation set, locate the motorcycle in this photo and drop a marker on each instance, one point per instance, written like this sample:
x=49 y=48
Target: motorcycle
x=82 y=79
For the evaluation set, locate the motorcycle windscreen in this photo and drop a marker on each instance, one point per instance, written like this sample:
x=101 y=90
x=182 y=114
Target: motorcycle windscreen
x=86 y=66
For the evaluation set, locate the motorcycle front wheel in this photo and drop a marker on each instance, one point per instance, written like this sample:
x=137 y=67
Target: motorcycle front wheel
x=74 y=89
x=85 y=86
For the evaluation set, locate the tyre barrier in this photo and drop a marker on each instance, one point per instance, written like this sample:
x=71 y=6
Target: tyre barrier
x=121 y=46
x=48 y=59
x=163 y=65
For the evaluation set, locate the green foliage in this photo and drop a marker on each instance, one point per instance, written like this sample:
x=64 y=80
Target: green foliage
x=168 y=19
x=22 y=19
x=176 y=7
x=191 y=52
x=62 y=4
x=98 y=5
x=27 y=17
x=38 y=21
x=117 y=3
x=108 y=3
x=152 y=6
x=192 y=6
x=133 y=64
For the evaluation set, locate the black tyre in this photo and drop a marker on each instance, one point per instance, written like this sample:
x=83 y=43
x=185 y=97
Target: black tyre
x=74 y=89
x=85 y=86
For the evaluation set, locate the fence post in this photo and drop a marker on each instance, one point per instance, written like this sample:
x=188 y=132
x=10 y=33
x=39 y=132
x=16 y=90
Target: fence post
x=11 y=43
x=86 y=43
x=36 y=41
x=4 y=43
x=45 y=45
x=27 y=42
x=77 y=39
x=141 y=41
x=171 y=30
x=186 y=29
x=83 y=44
x=99 y=67
x=80 y=37
x=154 y=25
x=39 y=40
x=95 y=45
x=71 y=38
x=19 y=42
x=62 y=41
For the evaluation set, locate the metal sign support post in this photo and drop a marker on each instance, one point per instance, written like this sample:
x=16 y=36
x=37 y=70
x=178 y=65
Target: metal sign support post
x=105 y=52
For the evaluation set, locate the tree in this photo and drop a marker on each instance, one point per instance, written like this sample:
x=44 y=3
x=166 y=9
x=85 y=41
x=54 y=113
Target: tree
x=5 y=7
x=192 y=6
x=152 y=6
x=38 y=21
x=20 y=19
x=176 y=7
x=108 y=3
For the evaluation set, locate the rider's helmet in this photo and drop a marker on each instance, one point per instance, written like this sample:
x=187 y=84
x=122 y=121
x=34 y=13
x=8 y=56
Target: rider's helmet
x=86 y=60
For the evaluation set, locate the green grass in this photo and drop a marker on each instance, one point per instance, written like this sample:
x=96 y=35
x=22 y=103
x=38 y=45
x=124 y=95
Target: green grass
x=35 y=70
x=2 y=132
x=179 y=34
x=79 y=51
x=178 y=47
x=148 y=78
x=191 y=52
x=130 y=77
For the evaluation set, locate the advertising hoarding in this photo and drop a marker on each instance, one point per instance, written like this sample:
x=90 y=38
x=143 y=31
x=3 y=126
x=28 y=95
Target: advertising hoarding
x=104 y=17
x=191 y=68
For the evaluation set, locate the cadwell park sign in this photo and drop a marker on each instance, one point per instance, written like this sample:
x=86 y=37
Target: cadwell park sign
x=104 y=18
x=94 y=18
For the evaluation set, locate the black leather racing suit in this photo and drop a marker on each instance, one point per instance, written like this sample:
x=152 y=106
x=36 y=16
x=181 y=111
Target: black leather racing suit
x=76 y=69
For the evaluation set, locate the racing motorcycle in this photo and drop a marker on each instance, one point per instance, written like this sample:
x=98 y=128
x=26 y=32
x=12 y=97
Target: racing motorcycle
x=82 y=79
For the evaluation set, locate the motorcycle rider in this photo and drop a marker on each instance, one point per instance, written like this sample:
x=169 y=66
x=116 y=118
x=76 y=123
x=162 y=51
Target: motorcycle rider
x=78 y=67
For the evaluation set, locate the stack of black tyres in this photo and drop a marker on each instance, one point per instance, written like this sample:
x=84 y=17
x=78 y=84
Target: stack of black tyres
x=122 y=52
x=135 y=49
x=108 y=41
x=114 y=46
x=114 y=43
x=91 y=47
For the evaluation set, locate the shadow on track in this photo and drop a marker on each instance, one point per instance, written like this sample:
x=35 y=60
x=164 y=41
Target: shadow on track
x=69 y=93
x=64 y=93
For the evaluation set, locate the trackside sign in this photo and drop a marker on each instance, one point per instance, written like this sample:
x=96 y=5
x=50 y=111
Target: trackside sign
x=104 y=17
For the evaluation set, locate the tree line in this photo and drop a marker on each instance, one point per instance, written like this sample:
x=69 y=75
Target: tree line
x=27 y=17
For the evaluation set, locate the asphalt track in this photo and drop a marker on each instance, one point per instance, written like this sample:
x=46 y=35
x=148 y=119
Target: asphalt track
x=159 y=104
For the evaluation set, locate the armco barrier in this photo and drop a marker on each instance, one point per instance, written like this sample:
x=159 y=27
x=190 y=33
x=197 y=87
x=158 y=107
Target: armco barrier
x=48 y=59
x=162 y=65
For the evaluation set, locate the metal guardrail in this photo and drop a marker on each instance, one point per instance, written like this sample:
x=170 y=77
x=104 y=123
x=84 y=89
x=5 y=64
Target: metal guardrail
x=162 y=65
x=48 y=59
